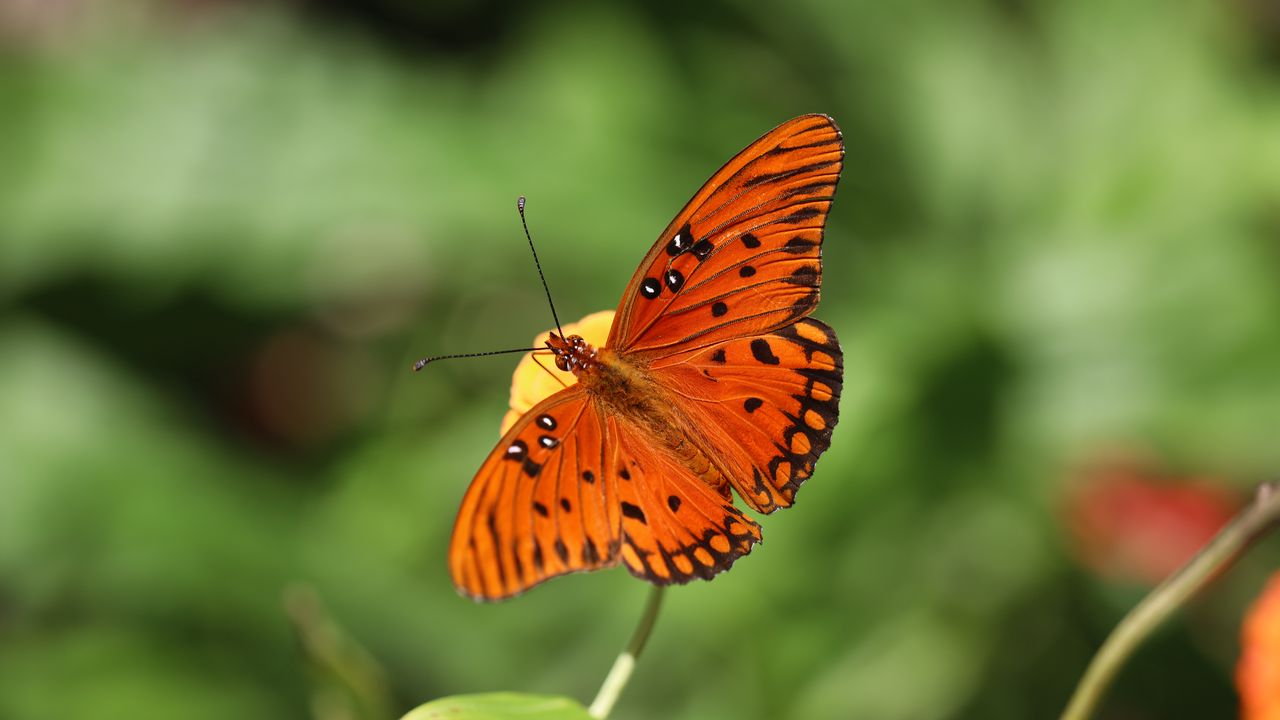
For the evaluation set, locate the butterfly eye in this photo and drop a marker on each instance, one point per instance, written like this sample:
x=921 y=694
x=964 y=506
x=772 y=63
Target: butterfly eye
x=562 y=362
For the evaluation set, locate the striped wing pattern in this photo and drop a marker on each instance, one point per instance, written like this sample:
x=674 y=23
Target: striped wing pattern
x=543 y=503
x=717 y=313
x=744 y=256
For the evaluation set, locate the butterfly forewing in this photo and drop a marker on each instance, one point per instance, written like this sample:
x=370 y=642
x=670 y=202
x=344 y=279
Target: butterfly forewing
x=543 y=504
x=744 y=255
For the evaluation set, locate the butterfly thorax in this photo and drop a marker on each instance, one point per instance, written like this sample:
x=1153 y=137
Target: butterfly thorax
x=617 y=383
x=625 y=389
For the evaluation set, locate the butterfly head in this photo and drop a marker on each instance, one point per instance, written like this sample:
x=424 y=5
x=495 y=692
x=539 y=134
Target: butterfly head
x=573 y=353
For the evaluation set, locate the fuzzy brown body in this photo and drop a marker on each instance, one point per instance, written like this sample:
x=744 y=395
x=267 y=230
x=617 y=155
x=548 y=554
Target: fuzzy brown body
x=624 y=388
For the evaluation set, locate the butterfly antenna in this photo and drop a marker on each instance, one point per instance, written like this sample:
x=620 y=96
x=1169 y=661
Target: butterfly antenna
x=426 y=360
x=520 y=207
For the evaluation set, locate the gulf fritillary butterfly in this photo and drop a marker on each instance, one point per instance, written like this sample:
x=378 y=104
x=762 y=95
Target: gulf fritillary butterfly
x=713 y=377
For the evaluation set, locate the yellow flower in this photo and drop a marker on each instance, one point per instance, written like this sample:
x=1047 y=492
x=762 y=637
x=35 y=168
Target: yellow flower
x=537 y=379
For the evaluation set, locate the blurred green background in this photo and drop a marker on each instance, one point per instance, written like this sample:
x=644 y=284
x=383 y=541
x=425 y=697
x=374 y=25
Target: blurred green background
x=227 y=228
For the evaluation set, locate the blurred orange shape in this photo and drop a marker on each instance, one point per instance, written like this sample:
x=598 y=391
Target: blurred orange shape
x=536 y=379
x=1258 y=672
x=1130 y=524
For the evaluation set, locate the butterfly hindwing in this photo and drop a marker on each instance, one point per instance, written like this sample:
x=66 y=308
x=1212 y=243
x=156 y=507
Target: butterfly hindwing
x=675 y=527
x=744 y=256
x=768 y=403
x=542 y=504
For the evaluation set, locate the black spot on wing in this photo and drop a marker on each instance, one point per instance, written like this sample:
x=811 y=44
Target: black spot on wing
x=804 y=276
x=761 y=351
x=650 y=288
x=799 y=245
x=681 y=241
x=518 y=450
x=674 y=279
x=633 y=512
x=804 y=304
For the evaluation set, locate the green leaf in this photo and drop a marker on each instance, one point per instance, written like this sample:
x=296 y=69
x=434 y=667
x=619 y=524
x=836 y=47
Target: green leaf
x=500 y=706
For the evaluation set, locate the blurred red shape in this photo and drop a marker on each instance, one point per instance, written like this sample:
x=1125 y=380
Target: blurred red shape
x=1258 y=672
x=1132 y=524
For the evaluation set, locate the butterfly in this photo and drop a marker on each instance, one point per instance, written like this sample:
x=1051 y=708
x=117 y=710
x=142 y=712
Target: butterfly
x=713 y=380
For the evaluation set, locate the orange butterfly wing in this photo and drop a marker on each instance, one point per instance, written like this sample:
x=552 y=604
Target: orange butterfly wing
x=767 y=403
x=744 y=256
x=568 y=490
x=718 y=307
x=674 y=526
x=544 y=503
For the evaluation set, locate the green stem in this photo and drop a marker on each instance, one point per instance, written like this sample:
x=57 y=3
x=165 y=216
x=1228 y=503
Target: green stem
x=618 y=676
x=345 y=678
x=1250 y=524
